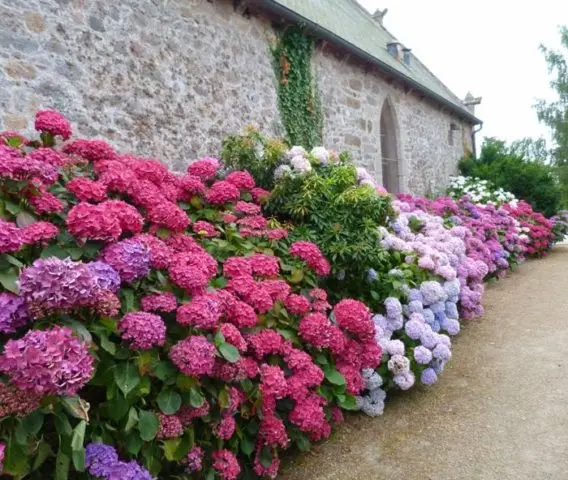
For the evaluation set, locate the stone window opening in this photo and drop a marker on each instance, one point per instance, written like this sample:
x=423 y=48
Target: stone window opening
x=453 y=128
x=389 y=153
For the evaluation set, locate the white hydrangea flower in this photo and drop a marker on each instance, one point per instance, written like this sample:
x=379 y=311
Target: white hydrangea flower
x=301 y=164
x=321 y=154
x=282 y=171
x=296 y=151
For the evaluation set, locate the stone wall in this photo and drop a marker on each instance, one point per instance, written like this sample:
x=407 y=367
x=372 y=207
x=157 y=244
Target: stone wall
x=163 y=79
x=172 y=79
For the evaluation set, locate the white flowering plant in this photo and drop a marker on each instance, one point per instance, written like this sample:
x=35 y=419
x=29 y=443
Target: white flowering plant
x=479 y=191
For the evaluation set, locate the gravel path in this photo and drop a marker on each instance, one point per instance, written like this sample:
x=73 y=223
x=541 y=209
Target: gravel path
x=499 y=412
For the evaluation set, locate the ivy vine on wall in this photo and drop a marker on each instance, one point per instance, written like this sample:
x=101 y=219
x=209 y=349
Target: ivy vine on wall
x=298 y=98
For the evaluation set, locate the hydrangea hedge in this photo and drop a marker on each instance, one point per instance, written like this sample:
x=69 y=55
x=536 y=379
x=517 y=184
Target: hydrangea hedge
x=159 y=325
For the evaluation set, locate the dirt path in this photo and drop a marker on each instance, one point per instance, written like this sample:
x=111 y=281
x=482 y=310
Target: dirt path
x=499 y=412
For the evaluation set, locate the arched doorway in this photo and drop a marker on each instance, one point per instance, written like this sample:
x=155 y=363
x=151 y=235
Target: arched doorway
x=389 y=153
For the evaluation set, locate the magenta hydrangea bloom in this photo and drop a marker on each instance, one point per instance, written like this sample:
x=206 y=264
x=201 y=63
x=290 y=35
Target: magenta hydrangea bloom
x=193 y=459
x=52 y=122
x=13 y=312
x=48 y=362
x=202 y=312
x=10 y=237
x=144 y=330
x=226 y=464
x=130 y=258
x=194 y=355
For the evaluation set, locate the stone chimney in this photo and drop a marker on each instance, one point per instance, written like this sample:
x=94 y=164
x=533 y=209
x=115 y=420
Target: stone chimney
x=379 y=15
x=470 y=102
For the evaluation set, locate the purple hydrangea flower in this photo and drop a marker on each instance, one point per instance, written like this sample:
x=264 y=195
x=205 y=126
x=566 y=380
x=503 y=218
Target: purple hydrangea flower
x=440 y=317
x=415 y=295
x=395 y=323
x=429 y=377
x=128 y=471
x=99 y=459
x=380 y=321
x=13 y=312
x=442 y=352
x=444 y=339
x=422 y=355
x=48 y=362
x=414 y=329
x=193 y=460
x=435 y=326
x=405 y=380
x=130 y=258
x=393 y=307
x=415 y=306
x=51 y=284
x=452 y=288
x=438 y=365
x=452 y=326
x=429 y=339
x=106 y=276
x=371 y=379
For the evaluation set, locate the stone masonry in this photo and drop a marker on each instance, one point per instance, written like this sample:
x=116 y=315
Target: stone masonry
x=171 y=79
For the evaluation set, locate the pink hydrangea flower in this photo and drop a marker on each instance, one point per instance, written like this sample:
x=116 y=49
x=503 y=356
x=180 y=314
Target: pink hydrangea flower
x=297 y=304
x=38 y=232
x=144 y=330
x=233 y=336
x=11 y=239
x=222 y=192
x=194 y=356
x=205 y=228
x=204 y=168
x=265 y=266
x=159 y=302
x=87 y=190
x=170 y=427
x=52 y=122
x=225 y=428
x=201 y=312
x=240 y=179
x=226 y=464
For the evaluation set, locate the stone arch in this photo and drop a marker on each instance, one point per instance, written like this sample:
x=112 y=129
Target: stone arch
x=390 y=160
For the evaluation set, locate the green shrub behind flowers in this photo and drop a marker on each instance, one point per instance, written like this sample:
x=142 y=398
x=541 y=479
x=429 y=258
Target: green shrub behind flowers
x=156 y=324
x=334 y=204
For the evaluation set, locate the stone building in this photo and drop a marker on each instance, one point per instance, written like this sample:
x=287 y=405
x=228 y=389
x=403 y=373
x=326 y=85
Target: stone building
x=172 y=79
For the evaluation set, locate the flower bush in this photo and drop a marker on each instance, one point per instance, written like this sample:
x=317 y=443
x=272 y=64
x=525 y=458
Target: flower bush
x=478 y=191
x=158 y=324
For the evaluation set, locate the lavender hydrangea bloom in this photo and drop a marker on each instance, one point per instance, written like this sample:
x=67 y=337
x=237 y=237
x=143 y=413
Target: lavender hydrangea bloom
x=404 y=381
x=415 y=295
x=429 y=377
x=414 y=329
x=396 y=323
x=380 y=321
x=422 y=355
x=13 y=312
x=452 y=326
x=99 y=459
x=429 y=338
x=130 y=258
x=445 y=340
x=435 y=326
x=395 y=347
x=107 y=277
x=440 y=317
x=393 y=307
x=432 y=292
x=442 y=352
x=282 y=171
x=51 y=284
x=415 y=306
x=438 y=365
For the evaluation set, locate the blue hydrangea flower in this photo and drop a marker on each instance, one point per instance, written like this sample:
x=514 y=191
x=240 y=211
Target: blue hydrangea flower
x=452 y=310
x=452 y=326
x=435 y=325
x=442 y=352
x=395 y=347
x=404 y=381
x=438 y=307
x=428 y=315
x=429 y=377
x=440 y=317
x=452 y=288
x=415 y=306
x=429 y=338
x=396 y=323
x=372 y=275
x=100 y=459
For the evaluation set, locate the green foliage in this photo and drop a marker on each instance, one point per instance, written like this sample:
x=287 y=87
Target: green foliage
x=298 y=98
x=529 y=180
x=255 y=153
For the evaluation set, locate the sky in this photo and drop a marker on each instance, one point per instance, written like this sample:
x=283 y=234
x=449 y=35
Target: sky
x=488 y=47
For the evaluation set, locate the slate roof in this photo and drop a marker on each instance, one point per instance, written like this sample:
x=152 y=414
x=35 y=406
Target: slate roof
x=348 y=23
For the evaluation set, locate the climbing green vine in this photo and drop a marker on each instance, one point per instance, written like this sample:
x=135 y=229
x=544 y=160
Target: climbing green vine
x=298 y=98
